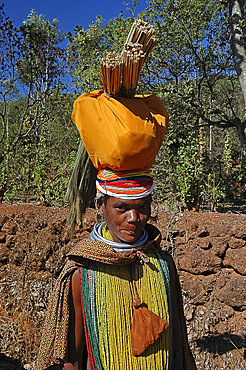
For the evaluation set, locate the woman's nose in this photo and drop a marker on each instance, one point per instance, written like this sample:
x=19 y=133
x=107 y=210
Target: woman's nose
x=132 y=215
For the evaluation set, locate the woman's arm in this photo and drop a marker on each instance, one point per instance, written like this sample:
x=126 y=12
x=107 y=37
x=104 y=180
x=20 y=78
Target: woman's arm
x=76 y=329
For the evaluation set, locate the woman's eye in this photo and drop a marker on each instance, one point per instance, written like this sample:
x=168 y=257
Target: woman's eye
x=144 y=208
x=121 y=208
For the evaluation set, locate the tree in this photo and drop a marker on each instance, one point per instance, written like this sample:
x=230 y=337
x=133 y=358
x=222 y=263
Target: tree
x=10 y=42
x=41 y=66
x=237 y=42
x=31 y=65
x=193 y=70
x=32 y=68
x=194 y=63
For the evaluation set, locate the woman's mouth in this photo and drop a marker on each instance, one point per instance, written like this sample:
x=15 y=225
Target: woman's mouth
x=132 y=234
x=130 y=231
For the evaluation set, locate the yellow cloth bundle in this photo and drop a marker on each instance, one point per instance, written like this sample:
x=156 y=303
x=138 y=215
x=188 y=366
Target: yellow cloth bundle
x=122 y=134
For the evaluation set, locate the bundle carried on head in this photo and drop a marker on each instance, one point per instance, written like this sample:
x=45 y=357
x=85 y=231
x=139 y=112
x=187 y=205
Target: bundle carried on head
x=120 y=131
x=120 y=72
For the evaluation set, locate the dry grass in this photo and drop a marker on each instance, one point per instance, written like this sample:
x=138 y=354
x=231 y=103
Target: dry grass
x=23 y=302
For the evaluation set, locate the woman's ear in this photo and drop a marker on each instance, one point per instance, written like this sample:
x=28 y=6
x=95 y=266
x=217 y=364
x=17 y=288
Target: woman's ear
x=99 y=205
x=101 y=209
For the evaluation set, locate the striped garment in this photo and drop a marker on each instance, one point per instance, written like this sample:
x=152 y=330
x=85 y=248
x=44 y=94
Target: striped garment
x=107 y=310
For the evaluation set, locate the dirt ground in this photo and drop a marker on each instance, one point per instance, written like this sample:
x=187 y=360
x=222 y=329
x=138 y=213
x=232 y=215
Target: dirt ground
x=209 y=251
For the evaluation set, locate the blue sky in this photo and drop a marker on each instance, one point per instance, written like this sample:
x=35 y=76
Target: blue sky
x=69 y=13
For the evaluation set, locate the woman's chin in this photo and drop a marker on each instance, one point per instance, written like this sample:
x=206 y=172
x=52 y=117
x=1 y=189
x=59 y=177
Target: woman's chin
x=129 y=237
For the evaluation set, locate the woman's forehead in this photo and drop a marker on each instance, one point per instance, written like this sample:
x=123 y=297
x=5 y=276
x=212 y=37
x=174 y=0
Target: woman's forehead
x=129 y=202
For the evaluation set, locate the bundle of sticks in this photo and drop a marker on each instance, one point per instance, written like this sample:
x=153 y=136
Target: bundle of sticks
x=112 y=67
x=120 y=72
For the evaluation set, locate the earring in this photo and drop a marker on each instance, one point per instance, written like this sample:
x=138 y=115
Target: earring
x=99 y=217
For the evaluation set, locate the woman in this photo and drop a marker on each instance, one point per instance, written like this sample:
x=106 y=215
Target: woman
x=117 y=304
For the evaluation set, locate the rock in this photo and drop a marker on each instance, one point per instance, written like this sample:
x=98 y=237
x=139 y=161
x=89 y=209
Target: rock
x=236 y=243
x=205 y=242
x=239 y=231
x=199 y=261
x=193 y=287
x=209 y=282
x=236 y=260
x=202 y=231
x=233 y=292
x=226 y=312
x=221 y=229
x=221 y=280
x=220 y=244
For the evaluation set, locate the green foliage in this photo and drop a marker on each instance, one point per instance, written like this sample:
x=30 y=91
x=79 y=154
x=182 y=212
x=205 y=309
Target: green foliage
x=186 y=173
x=40 y=169
x=189 y=171
x=213 y=191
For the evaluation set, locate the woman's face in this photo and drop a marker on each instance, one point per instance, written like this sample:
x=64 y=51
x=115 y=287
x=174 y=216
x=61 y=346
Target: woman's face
x=126 y=218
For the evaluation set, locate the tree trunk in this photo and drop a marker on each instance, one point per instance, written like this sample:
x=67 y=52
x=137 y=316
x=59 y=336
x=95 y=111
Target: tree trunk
x=238 y=50
x=237 y=42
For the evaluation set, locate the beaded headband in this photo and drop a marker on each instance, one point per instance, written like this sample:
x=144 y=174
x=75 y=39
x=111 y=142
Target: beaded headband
x=124 y=185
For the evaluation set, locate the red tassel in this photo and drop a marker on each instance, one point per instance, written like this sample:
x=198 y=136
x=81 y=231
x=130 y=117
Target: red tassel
x=146 y=327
